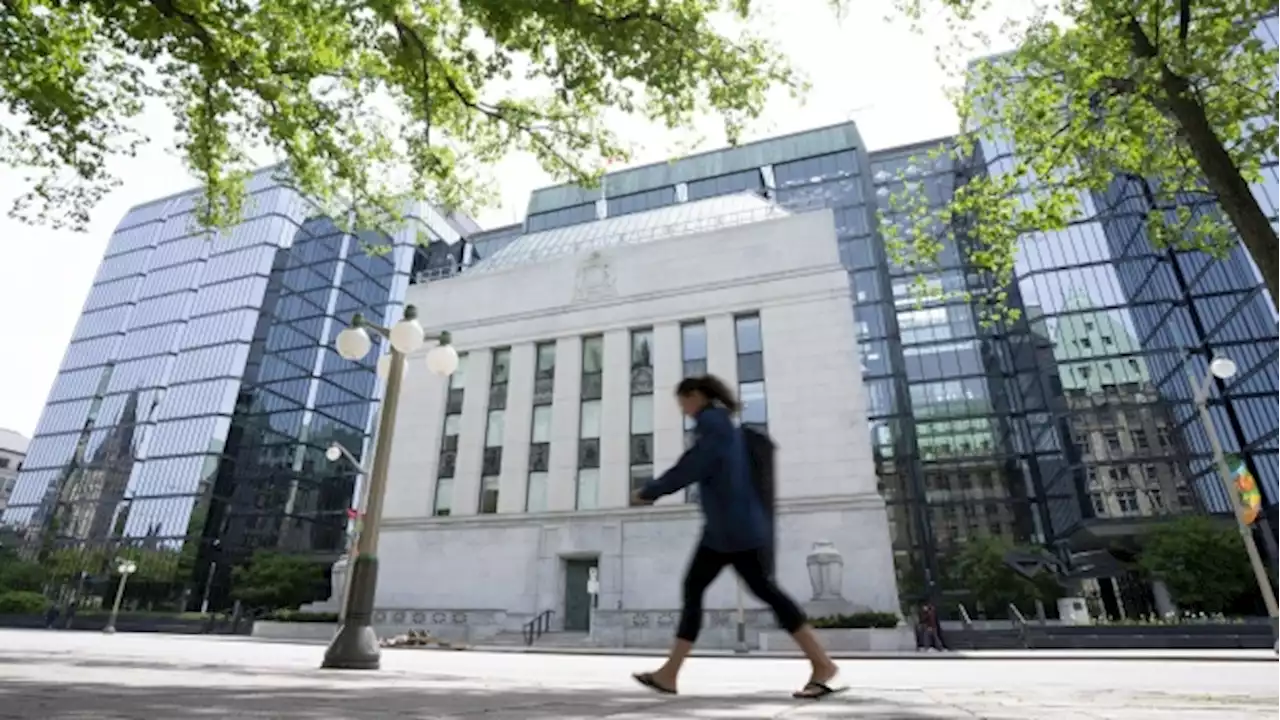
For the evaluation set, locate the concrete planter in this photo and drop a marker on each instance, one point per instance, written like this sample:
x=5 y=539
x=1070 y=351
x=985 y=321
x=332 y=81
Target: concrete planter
x=847 y=640
x=271 y=630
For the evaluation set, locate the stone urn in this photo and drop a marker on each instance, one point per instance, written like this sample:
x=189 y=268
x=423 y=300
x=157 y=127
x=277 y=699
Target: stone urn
x=826 y=571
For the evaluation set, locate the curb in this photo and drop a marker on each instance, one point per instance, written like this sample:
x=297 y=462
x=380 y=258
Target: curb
x=987 y=655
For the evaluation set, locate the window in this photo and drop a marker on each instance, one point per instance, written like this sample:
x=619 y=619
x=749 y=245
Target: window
x=751 y=392
x=488 y=495
x=693 y=354
x=457 y=384
x=592 y=367
x=1128 y=502
x=536 y=501
x=444 y=496
x=693 y=348
x=641 y=442
x=498 y=379
x=588 y=491
x=641 y=361
x=641 y=447
x=544 y=375
x=494 y=432
x=1151 y=473
x=448 y=465
x=540 y=434
x=4 y=463
x=1113 y=440
x=1139 y=438
x=1099 y=504
x=1156 y=498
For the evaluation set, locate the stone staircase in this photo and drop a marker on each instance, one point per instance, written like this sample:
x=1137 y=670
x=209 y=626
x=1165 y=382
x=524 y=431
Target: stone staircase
x=550 y=639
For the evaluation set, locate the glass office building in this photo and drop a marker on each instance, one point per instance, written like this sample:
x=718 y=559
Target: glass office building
x=190 y=415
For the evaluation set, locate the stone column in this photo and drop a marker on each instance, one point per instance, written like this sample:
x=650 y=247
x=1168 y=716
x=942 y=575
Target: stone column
x=514 y=479
x=566 y=406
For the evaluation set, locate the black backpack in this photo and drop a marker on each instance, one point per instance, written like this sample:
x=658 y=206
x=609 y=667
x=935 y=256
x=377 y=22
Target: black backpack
x=760 y=452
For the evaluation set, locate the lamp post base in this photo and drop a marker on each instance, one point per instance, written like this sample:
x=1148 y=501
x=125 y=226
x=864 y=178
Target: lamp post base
x=356 y=647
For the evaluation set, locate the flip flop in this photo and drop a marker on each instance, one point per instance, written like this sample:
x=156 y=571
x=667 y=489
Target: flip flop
x=816 y=691
x=647 y=680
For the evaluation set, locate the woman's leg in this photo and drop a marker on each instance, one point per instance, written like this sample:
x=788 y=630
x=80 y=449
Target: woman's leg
x=751 y=568
x=703 y=569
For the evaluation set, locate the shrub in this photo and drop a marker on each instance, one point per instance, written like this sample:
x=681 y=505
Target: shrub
x=857 y=620
x=296 y=616
x=22 y=602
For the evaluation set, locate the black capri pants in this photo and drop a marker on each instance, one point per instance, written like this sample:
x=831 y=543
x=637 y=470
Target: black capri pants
x=750 y=566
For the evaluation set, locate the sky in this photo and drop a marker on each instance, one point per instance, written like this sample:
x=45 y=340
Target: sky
x=861 y=68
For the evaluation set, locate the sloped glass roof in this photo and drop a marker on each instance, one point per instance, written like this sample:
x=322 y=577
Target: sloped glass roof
x=671 y=221
x=820 y=141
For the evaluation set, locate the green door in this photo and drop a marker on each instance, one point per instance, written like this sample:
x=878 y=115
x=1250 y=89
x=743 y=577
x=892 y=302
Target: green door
x=577 y=601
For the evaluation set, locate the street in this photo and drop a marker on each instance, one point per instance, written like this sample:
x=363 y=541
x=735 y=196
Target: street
x=64 y=675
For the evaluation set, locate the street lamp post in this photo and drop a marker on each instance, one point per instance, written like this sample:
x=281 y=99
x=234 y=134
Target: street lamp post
x=355 y=647
x=125 y=568
x=333 y=453
x=1224 y=368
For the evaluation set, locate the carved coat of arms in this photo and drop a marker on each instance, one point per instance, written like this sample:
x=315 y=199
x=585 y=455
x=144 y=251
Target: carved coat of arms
x=595 y=279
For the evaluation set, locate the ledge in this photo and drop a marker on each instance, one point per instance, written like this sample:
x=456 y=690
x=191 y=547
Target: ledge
x=826 y=503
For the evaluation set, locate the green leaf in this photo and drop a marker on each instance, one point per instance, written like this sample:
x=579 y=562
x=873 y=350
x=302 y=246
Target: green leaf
x=368 y=103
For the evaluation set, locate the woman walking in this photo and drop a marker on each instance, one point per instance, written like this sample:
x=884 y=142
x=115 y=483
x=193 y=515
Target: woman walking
x=736 y=533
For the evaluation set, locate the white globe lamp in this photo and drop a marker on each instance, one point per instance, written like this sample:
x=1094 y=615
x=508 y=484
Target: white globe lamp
x=442 y=360
x=1223 y=368
x=408 y=335
x=332 y=453
x=353 y=343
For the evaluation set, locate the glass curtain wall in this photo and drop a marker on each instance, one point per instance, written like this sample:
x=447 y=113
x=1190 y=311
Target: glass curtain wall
x=188 y=421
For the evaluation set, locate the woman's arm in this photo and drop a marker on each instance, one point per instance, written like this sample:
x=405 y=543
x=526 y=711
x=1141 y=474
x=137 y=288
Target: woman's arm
x=696 y=463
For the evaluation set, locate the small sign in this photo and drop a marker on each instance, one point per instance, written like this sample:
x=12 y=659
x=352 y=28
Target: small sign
x=593 y=581
x=1250 y=499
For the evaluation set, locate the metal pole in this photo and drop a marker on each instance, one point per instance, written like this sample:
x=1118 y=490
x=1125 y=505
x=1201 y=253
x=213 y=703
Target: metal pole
x=115 y=607
x=741 y=647
x=361 y=503
x=208 y=585
x=1201 y=395
x=355 y=647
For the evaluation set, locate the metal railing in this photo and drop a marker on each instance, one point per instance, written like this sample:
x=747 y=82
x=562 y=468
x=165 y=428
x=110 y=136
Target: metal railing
x=537 y=627
x=1020 y=620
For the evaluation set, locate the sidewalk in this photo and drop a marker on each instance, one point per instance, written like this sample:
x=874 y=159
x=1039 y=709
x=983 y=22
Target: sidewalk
x=91 y=676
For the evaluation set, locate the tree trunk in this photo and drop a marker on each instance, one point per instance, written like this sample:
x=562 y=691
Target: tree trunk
x=1220 y=171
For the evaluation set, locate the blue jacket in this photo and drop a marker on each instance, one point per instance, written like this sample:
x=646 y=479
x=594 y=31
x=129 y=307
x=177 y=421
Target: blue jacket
x=735 y=519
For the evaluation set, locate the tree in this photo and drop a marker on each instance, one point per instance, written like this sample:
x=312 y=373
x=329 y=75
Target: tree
x=1200 y=560
x=17 y=574
x=366 y=101
x=980 y=567
x=1100 y=90
x=278 y=582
